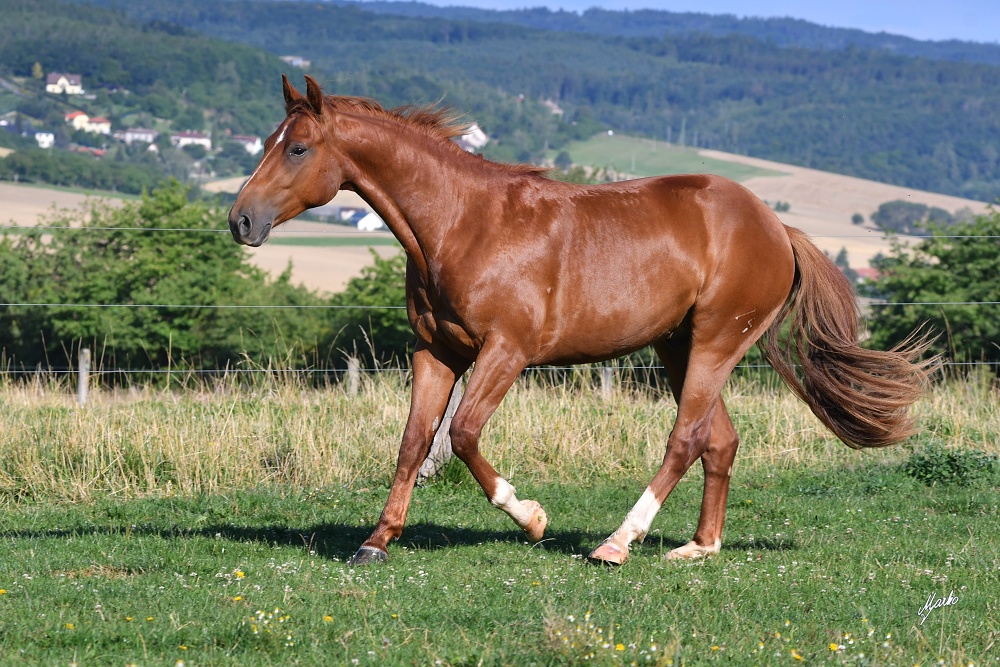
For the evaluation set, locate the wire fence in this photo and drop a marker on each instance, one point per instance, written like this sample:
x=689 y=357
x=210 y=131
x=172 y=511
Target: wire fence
x=337 y=372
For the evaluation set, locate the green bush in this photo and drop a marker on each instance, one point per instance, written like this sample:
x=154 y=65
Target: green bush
x=934 y=465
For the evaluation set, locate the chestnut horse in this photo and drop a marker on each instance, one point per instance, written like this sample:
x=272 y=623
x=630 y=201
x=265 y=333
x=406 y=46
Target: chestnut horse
x=507 y=268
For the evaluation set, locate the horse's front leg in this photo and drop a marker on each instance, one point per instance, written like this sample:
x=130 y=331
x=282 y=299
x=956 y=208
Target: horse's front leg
x=497 y=366
x=435 y=372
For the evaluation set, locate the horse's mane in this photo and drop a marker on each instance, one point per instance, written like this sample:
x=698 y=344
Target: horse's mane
x=438 y=121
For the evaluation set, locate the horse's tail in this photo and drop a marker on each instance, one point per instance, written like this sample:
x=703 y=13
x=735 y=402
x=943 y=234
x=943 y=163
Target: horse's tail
x=861 y=395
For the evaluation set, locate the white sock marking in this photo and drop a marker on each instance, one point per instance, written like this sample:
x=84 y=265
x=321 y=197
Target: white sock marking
x=638 y=520
x=505 y=499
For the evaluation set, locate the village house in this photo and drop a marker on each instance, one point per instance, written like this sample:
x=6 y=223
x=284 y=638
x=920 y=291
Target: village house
x=58 y=82
x=182 y=139
x=136 y=134
x=473 y=140
x=45 y=139
x=78 y=120
x=297 y=61
x=253 y=145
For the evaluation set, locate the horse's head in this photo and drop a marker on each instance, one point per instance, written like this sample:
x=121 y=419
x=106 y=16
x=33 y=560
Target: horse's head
x=298 y=170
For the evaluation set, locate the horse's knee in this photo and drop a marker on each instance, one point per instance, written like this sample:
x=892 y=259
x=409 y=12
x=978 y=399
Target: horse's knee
x=464 y=439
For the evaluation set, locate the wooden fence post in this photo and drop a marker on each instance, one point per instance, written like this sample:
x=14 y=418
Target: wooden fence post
x=441 y=446
x=353 y=376
x=83 y=377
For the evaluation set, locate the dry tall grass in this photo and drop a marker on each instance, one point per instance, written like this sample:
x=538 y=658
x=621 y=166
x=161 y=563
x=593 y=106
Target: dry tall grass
x=279 y=431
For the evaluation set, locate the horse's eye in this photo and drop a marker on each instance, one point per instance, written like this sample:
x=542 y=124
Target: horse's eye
x=298 y=151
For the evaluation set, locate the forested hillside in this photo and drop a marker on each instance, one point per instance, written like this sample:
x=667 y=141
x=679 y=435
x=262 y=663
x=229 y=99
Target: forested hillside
x=929 y=124
x=150 y=75
x=657 y=23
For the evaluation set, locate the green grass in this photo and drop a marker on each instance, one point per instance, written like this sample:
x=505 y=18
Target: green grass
x=160 y=526
x=645 y=157
x=811 y=559
x=333 y=241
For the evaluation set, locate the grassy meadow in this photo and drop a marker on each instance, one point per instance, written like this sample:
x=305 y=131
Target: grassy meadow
x=209 y=525
x=648 y=157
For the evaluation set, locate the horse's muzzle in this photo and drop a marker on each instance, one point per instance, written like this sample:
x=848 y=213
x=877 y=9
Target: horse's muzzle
x=245 y=231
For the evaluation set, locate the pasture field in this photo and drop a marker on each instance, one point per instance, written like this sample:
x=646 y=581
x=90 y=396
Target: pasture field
x=646 y=157
x=209 y=525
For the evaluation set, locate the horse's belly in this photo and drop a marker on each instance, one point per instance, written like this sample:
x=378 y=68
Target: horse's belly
x=599 y=335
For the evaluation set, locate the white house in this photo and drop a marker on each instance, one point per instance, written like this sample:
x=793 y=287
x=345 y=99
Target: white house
x=182 y=139
x=45 y=139
x=58 y=82
x=370 y=223
x=99 y=125
x=297 y=61
x=133 y=134
x=253 y=145
x=81 y=121
x=77 y=119
x=474 y=139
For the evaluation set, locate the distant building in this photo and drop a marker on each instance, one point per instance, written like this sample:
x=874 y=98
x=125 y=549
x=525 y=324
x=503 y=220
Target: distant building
x=253 y=145
x=473 y=140
x=182 y=139
x=99 y=125
x=81 y=121
x=297 y=61
x=45 y=139
x=370 y=223
x=58 y=82
x=136 y=134
x=77 y=119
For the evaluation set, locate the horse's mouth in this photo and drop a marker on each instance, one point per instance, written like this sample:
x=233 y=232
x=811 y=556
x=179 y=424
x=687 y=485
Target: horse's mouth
x=261 y=238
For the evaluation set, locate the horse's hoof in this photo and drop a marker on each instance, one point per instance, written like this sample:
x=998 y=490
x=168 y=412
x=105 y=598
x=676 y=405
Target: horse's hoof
x=692 y=550
x=539 y=520
x=367 y=556
x=608 y=554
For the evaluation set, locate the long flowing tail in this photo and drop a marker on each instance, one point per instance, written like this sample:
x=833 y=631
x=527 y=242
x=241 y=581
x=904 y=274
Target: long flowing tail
x=861 y=395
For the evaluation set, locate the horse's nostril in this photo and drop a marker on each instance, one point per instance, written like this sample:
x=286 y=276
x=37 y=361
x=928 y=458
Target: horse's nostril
x=245 y=225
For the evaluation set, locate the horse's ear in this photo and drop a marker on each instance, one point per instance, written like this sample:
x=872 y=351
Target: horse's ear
x=315 y=95
x=291 y=95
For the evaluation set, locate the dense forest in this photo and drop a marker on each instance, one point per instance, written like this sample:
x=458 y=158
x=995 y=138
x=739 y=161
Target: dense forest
x=657 y=23
x=927 y=123
x=742 y=86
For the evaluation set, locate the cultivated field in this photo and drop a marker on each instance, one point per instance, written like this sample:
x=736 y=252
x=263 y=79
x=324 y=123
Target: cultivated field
x=821 y=204
x=210 y=526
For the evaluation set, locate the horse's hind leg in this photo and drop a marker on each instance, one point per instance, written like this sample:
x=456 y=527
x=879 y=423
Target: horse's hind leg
x=702 y=429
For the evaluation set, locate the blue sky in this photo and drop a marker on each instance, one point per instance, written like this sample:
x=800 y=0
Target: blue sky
x=974 y=20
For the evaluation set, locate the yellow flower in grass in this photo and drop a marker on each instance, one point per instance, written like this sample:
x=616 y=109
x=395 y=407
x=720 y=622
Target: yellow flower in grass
x=328 y=618
x=833 y=646
x=240 y=574
x=797 y=655
x=3 y=591
x=68 y=626
x=619 y=647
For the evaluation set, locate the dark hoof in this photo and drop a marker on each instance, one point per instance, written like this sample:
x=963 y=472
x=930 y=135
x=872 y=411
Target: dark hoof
x=367 y=556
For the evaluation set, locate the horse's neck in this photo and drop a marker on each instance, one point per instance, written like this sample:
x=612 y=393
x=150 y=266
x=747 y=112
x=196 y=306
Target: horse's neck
x=410 y=181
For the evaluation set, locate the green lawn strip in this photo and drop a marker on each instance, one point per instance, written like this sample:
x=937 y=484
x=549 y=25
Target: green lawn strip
x=827 y=566
x=334 y=241
x=645 y=157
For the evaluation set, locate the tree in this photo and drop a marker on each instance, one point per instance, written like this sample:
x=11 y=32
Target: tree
x=121 y=260
x=943 y=269
x=374 y=332
x=36 y=71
